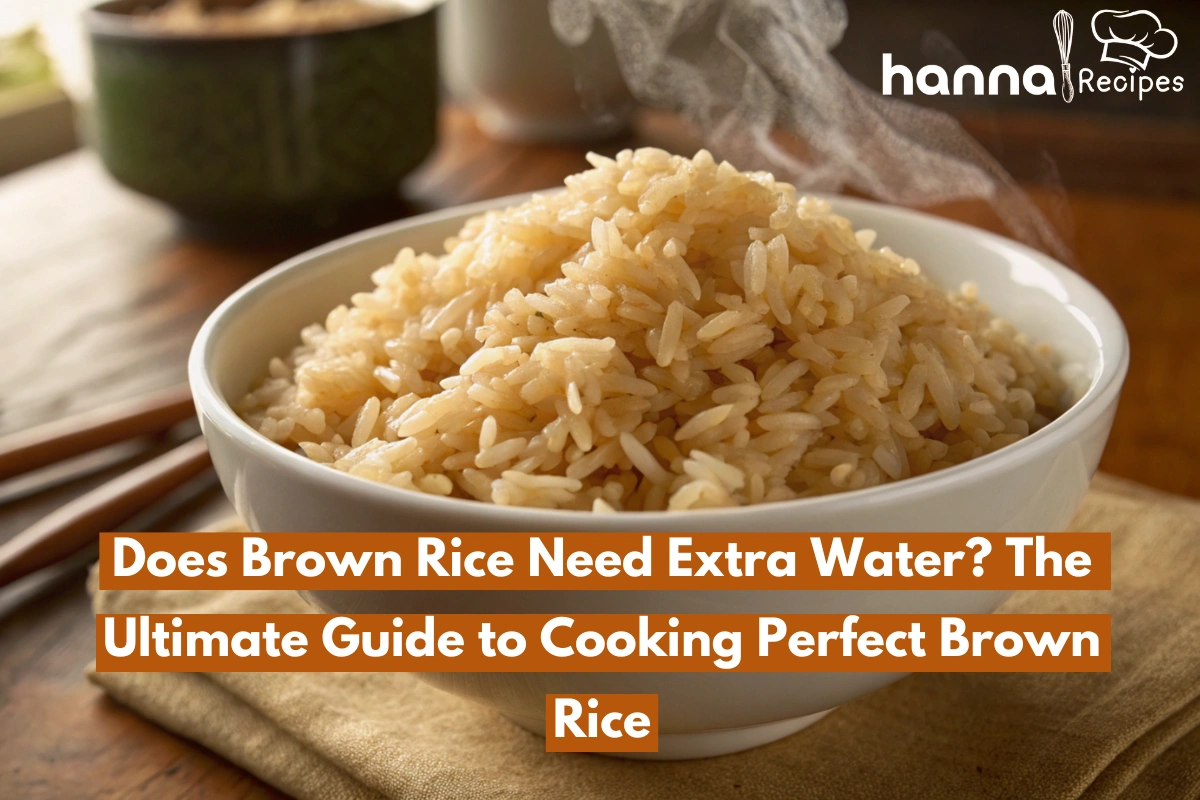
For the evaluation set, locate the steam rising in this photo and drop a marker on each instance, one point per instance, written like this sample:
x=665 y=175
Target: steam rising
x=752 y=73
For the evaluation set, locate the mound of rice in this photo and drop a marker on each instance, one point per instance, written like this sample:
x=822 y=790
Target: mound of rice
x=669 y=333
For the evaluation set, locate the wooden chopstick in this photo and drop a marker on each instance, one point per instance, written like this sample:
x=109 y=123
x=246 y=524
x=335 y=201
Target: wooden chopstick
x=57 y=441
x=77 y=524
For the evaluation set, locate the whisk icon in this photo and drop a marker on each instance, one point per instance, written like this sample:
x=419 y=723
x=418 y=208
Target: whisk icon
x=1064 y=28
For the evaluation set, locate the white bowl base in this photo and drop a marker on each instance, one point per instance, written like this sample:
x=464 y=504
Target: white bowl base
x=701 y=744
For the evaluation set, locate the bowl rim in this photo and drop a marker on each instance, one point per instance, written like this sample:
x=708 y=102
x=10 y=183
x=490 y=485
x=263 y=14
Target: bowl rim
x=1102 y=392
x=104 y=19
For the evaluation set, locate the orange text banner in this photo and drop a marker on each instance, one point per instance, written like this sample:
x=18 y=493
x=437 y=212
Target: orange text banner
x=528 y=561
x=601 y=723
x=602 y=643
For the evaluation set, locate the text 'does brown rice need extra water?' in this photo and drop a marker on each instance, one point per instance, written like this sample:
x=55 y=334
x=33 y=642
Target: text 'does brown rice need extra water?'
x=620 y=561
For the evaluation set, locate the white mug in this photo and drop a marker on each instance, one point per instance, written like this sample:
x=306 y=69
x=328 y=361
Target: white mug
x=502 y=60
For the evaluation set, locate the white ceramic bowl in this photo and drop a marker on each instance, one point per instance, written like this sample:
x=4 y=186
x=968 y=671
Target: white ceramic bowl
x=502 y=60
x=1033 y=485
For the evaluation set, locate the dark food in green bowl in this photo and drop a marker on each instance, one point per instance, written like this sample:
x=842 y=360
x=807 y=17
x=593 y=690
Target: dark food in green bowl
x=254 y=130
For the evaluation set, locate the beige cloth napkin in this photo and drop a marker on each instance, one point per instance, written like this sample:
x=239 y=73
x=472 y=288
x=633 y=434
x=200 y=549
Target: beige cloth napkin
x=1132 y=733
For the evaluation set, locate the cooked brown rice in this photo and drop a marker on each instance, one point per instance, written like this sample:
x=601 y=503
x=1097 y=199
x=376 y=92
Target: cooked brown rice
x=263 y=16
x=668 y=333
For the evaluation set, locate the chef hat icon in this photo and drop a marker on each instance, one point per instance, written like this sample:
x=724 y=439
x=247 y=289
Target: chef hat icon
x=1132 y=37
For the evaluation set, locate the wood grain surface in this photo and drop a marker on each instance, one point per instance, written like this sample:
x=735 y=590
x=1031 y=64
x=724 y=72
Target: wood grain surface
x=101 y=292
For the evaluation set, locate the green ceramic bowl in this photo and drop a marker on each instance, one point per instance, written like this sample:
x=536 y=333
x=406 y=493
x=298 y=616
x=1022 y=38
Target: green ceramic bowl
x=264 y=131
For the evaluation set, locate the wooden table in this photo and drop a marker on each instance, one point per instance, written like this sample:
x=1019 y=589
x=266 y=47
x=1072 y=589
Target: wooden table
x=101 y=292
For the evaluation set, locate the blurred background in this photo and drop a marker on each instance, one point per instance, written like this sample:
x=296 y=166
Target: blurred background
x=46 y=77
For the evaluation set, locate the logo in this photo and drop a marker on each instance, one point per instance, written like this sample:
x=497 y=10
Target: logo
x=1128 y=38
x=1132 y=37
